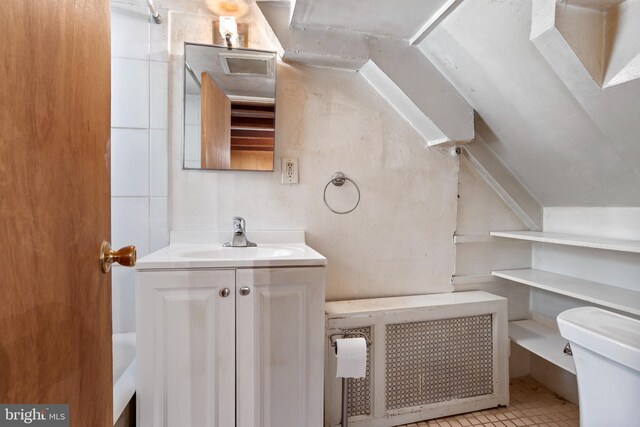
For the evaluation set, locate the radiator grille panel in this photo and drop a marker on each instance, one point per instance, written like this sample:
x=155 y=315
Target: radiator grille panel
x=438 y=360
x=360 y=389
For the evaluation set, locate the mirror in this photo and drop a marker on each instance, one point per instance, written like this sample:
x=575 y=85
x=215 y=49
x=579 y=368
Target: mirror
x=229 y=108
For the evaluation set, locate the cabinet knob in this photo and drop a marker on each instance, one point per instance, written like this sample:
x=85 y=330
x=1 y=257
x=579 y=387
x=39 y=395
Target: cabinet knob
x=225 y=292
x=244 y=291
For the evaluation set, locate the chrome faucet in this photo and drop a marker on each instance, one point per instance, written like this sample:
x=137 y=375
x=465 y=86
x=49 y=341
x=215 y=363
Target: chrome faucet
x=239 y=236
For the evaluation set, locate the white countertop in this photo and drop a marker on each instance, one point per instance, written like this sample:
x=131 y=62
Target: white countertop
x=190 y=250
x=373 y=305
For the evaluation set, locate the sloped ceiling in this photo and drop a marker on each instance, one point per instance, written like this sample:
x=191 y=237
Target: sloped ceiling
x=416 y=89
x=567 y=146
x=383 y=18
x=568 y=150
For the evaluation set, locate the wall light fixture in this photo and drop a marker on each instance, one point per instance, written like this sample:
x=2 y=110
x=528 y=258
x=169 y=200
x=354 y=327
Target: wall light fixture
x=229 y=30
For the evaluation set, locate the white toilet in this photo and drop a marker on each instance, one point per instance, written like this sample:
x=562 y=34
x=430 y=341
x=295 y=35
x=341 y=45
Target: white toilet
x=606 y=351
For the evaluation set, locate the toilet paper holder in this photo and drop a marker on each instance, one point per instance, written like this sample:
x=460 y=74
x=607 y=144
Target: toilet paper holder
x=342 y=334
x=344 y=422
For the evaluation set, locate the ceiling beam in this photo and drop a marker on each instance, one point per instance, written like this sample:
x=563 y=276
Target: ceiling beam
x=314 y=46
x=425 y=86
x=402 y=104
x=487 y=164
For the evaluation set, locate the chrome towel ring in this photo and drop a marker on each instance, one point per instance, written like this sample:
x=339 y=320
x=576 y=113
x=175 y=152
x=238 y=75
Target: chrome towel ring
x=338 y=179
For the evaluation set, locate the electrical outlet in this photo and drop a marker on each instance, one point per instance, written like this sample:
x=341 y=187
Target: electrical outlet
x=289 y=170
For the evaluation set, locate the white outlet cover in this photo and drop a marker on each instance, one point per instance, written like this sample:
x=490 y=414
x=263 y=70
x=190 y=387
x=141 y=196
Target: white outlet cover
x=289 y=170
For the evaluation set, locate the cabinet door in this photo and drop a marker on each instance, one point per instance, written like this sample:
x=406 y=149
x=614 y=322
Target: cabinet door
x=185 y=354
x=279 y=342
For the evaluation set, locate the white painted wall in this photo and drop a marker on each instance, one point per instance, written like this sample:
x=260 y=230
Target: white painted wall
x=615 y=223
x=610 y=267
x=397 y=242
x=481 y=210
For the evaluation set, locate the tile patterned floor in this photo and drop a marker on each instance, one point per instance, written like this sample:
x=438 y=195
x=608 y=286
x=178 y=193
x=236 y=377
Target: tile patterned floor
x=531 y=404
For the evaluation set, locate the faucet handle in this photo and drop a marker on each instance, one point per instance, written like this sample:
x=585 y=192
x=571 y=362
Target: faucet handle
x=238 y=224
x=239 y=237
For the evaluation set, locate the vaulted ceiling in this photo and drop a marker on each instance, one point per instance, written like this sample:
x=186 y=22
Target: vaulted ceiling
x=553 y=85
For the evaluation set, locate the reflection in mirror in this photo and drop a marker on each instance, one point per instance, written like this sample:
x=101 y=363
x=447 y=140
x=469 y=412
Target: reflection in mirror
x=229 y=108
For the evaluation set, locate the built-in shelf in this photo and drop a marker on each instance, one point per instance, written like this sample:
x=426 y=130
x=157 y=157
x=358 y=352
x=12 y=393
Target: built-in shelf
x=473 y=238
x=542 y=341
x=238 y=112
x=472 y=279
x=253 y=127
x=597 y=293
x=572 y=240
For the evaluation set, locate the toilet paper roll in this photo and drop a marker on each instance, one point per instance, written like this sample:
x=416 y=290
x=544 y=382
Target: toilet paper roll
x=352 y=357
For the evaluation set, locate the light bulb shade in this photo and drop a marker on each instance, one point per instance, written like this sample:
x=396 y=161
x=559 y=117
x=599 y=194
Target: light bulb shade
x=228 y=25
x=239 y=37
x=236 y=8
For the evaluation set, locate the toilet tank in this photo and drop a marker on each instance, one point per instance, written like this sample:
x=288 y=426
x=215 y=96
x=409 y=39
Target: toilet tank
x=607 y=334
x=606 y=352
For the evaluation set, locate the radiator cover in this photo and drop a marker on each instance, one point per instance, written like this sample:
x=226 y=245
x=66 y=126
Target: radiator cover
x=431 y=356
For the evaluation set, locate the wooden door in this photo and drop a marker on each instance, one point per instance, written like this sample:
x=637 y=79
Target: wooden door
x=216 y=126
x=55 y=312
x=186 y=348
x=279 y=347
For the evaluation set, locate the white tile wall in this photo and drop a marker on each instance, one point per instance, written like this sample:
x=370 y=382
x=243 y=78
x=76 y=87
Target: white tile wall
x=159 y=95
x=139 y=153
x=159 y=179
x=159 y=223
x=129 y=162
x=129 y=31
x=159 y=36
x=129 y=93
x=130 y=223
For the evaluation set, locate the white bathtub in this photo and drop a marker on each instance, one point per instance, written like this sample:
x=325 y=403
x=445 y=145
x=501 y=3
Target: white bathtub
x=124 y=371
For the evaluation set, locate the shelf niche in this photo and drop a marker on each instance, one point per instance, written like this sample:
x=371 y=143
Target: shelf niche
x=599 y=40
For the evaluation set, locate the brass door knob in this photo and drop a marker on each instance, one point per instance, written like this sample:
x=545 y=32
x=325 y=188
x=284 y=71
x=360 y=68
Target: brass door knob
x=124 y=256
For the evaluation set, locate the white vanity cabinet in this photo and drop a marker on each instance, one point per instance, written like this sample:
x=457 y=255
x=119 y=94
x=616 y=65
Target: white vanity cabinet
x=249 y=357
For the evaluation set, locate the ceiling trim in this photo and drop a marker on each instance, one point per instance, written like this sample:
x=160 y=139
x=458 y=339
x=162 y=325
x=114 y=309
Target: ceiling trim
x=434 y=21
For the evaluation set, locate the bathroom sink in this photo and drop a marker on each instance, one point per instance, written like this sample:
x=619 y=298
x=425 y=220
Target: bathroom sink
x=240 y=253
x=205 y=250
